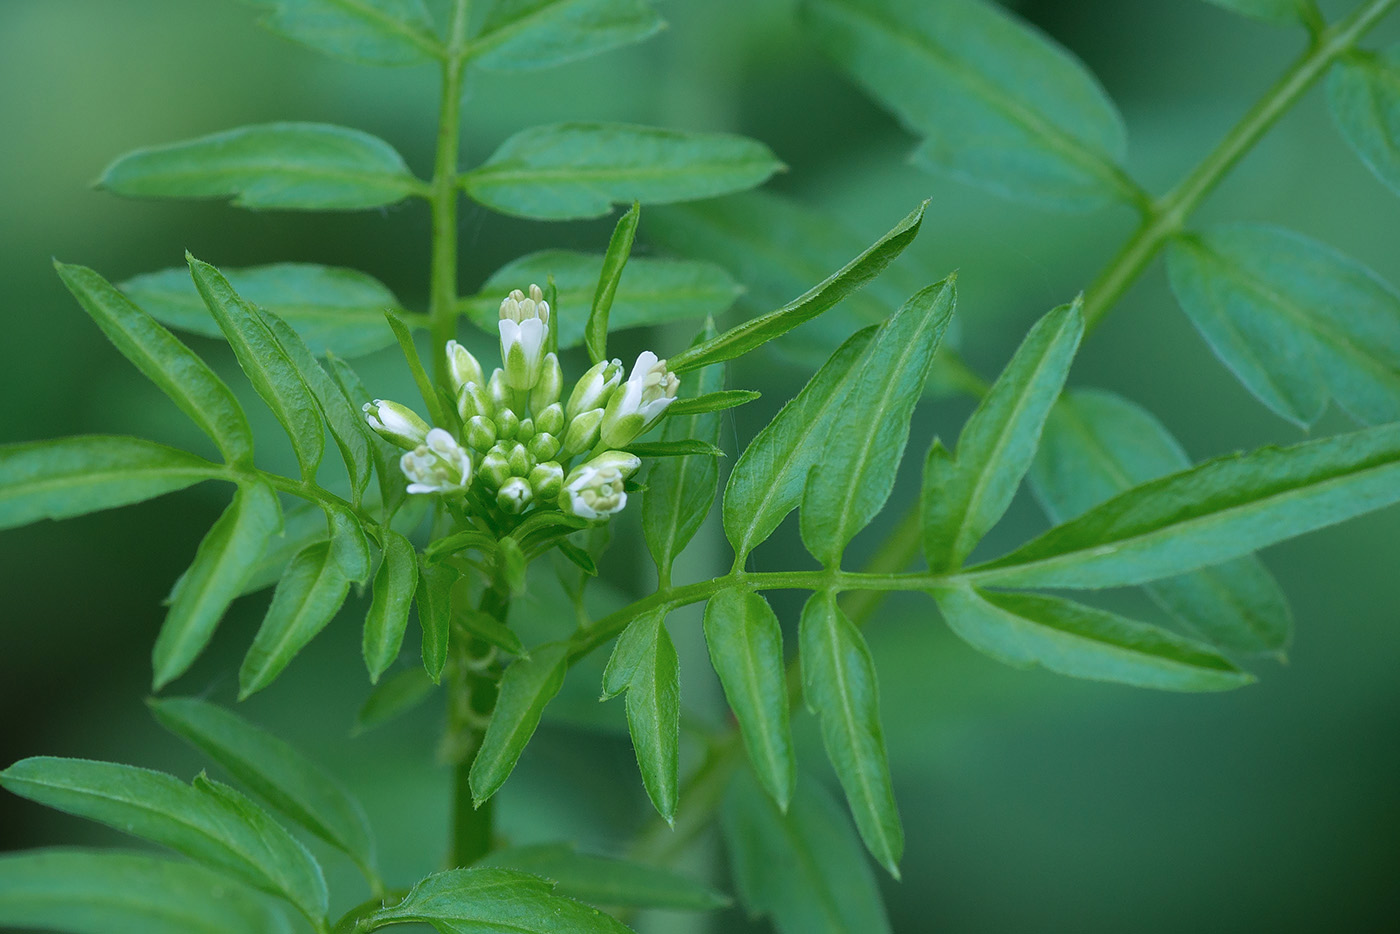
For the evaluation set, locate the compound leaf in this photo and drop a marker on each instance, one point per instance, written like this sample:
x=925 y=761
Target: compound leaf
x=523 y=35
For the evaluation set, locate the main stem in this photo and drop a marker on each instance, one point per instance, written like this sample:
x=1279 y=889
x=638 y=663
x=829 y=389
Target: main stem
x=442 y=290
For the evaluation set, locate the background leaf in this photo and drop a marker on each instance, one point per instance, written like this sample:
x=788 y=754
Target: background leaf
x=307 y=597
x=600 y=880
x=522 y=35
x=1285 y=12
x=395 y=695
x=527 y=686
x=372 y=32
x=1363 y=90
x=465 y=901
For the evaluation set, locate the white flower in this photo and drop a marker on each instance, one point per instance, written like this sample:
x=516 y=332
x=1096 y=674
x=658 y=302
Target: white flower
x=640 y=401
x=439 y=465
x=397 y=424
x=594 y=388
x=594 y=490
x=524 y=329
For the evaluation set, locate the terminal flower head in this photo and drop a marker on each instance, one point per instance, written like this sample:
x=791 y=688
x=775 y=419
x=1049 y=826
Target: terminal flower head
x=524 y=327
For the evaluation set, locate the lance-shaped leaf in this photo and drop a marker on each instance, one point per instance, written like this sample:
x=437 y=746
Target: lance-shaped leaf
x=627 y=653
x=758 y=331
x=288 y=166
x=595 y=332
x=1222 y=509
x=1293 y=319
x=394 y=696
x=394 y=584
x=855 y=474
x=91 y=892
x=655 y=291
x=839 y=685
x=175 y=369
x=434 y=601
x=269 y=369
x=392 y=484
x=331 y=308
x=467 y=901
x=309 y=594
x=371 y=32
x=72 y=476
x=1097 y=445
x=804 y=869
x=685 y=447
x=767 y=481
x=522 y=35
x=566 y=171
x=527 y=686
x=599 y=880
x=964 y=496
x=998 y=103
x=654 y=718
x=1083 y=642
x=274 y=771
x=493 y=631
x=746 y=648
x=1364 y=92
x=209 y=823
x=717 y=401
x=1283 y=12
x=222 y=567
x=303 y=524
x=349 y=543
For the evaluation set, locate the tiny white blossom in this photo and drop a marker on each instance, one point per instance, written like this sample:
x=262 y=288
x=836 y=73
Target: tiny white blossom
x=594 y=388
x=595 y=490
x=640 y=401
x=439 y=465
x=524 y=330
x=395 y=423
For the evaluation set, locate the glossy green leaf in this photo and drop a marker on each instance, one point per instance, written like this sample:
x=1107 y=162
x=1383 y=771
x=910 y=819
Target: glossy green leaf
x=804 y=869
x=331 y=308
x=175 y=369
x=307 y=597
x=566 y=171
x=600 y=880
x=372 y=32
x=285 y=166
x=269 y=369
x=1083 y=642
x=1285 y=12
x=396 y=695
x=627 y=653
x=1364 y=92
x=274 y=771
x=998 y=103
x=512 y=565
x=846 y=280
x=222 y=566
x=394 y=586
x=349 y=543
x=91 y=892
x=654 y=291
x=654 y=719
x=1097 y=445
x=208 y=823
x=767 y=481
x=303 y=523
x=1220 y=510
x=485 y=901
x=964 y=496
x=855 y=474
x=746 y=648
x=1293 y=319
x=434 y=601
x=492 y=631
x=522 y=35
x=527 y=686
x=839 y=685
x=71 y=476
x=595 y=332
x=718 y=401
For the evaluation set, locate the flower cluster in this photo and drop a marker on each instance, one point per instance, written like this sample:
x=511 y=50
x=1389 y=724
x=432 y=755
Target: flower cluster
x=517 y=439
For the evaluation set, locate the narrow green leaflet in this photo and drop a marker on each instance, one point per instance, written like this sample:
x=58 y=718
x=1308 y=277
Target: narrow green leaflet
x=804 y=869
x=393 y=485
x=964 y=496
x=215 y=826
x=71 y=476
x=372 y=32
x=438 y=407
x=91 y=892
x=274 y=771
x=1363 y=90
x=566 y=171
x=349 y=543
x=302 y=524
x=175 y=369
x=266 y=364
x=527 y=686
x=394 y=585
x=839 y=684
x=434 y=600
x=309 y=594
x=595 y=332
x=1284 y=12
x=522 y=35
x=685 y=447
x=767 y=481
x=1222 y=509
x=654 y=719
x=846 y=280
x=655 y=291
x=330 y=307
x=1096 y=445
x=477 y=901
x=222 y=566
x=746 y=648
x=600 y=880
x=1083 y=642
x=1293 y=319
x=394 y=696
x=493 y=631
x=629 y=650
x=998 y=103
x=287 y=166
x=718 y=401
x=856 y=471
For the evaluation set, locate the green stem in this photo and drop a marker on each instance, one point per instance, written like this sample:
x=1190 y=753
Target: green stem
x=442 y=292
x=471 y=697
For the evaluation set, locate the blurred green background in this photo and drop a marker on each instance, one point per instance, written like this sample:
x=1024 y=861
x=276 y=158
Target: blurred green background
x=1032 y=803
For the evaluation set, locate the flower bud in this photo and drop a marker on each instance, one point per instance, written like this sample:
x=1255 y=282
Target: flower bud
x=595 y=490
x=526 y=431
x=480 y=433
x=439 y=465
x=543 y=446
x=462 y=367
x=551 y=383
x=640 y=401
x=515 y=495
x=495 y=469
x=524 y=328
x=507 y=423
x=550 y=419
x=397 y=424
x=520 y=461
x=594 y=388
x=582 y=433
x=474 y=400
x=547 y=479
x=498 y=390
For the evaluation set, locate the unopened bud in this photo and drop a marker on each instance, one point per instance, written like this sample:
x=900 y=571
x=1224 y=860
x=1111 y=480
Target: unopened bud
x=497 y=388
x=551 y=383
x=594 y=388
x=507 y=423
x=582 y=433
x=526 y=431
x=480 y=433
x=397 y=424
x=543 y=446
x=473 y=400
x=550 y=419
x=514 y=495
x=462 y=367
x=520 y=461
x=547 y=479
x=495 y=469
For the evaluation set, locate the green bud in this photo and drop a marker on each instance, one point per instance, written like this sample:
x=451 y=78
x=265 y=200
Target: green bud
x=520 y=461
x=480 y=433
x=543 y=446
x=547 y=479
x=498 y=389
x=473 y=400
x=546 y=391
x=507 y=423
x=550 y=419
x=462 y=367
x=594 y=388
x=514 y=495
x=526 y=431
x=495 y=467
x=582 y=433
x=395 y=423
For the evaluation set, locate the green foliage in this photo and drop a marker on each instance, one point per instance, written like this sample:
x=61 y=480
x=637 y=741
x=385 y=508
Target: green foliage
x=372 y=32
x=1284 y=12
x=654 y=717
x=523 y=35
x=434 y=602
x=395 y=695
x=527 y=686
x=309 y=594
x=394 y=585
x=1364 y=91
x=599 y=880
x=595 y=332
